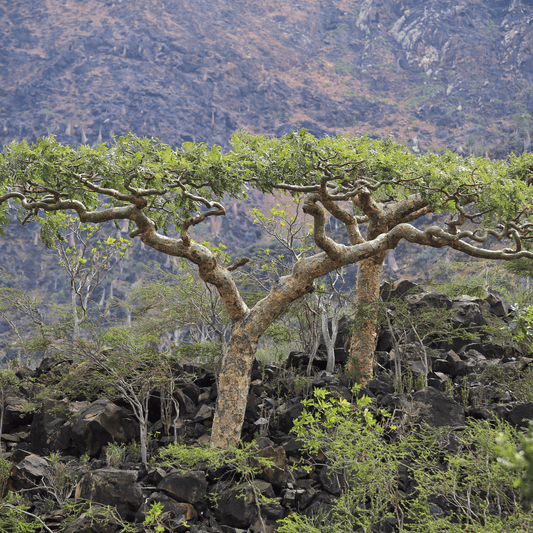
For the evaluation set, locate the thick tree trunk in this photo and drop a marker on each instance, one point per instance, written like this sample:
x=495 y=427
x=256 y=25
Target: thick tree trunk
x=233 y=386
x=365 y=334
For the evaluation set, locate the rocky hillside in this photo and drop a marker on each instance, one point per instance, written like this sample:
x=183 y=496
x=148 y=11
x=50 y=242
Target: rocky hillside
x=434 y=73
x=478 y=386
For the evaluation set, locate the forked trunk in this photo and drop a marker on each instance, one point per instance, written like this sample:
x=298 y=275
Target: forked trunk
x=365 y=334
x=233 y=386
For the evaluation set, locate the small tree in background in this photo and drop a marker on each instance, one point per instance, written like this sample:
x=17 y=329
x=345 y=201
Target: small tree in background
x=125 y=363
x=520 y=460
x=86 y=259
x=24 y=312
x=179 y=306
x=8 y=381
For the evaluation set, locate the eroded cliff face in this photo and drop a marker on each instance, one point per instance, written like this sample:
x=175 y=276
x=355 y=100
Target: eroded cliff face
x=434 y=72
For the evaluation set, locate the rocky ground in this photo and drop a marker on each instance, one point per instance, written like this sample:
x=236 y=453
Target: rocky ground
x=470 y=375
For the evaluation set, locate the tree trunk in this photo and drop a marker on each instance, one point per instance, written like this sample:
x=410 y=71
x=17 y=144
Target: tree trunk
x=143 y=438
x=75 y=318
x=329 y=340
x=365 y=334
x=233 y=386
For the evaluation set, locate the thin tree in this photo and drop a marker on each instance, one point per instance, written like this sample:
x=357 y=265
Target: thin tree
x=374 y=188
x=86 y=259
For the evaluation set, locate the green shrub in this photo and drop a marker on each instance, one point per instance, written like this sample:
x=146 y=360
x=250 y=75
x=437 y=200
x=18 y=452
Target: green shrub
x=115 y=454
x=398 y=480
x=5 y=471
x=15 y=518
x=520 y=460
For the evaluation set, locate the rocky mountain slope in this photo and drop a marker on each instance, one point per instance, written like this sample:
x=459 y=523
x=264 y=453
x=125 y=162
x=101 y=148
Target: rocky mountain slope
x=435 y=73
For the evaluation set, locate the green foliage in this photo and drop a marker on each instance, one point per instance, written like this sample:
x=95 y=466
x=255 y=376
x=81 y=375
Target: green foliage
x=115 y=454
x=480 y=278
x=244 y=463
x=15 y=517
x=519 y=382
x=244 y=460
x=520 y=460
x=5 y=472
x=203 y=352
x=58 y=480
x=179 y=300
x=97 y=515
x=457 y=469
x=521 y=325
x=473 y=482
x=130 y=162
x=85 y=458
x=152 y=522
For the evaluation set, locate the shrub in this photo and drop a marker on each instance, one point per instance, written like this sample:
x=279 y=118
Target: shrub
x=430 y=481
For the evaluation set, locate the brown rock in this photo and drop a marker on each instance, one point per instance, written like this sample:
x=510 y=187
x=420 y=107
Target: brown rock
x=101 y=423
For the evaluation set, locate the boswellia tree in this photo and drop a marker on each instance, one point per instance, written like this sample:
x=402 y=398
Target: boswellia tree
x=375 y=188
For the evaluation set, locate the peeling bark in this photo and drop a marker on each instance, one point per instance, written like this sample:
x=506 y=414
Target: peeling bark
x=233 y=385
x=365 y=334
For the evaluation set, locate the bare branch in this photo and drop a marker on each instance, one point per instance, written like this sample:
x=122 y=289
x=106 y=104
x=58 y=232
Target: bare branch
x=238 y=264
x=349 y=220
x=325 y=243
x=215 y=209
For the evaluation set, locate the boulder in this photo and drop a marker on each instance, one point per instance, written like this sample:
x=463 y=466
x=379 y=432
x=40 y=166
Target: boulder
x=100 y=520
x=28 y=473
x=189 y=488
x=467 y=314
x=440 y=410
x=276 y=473
x=50 y=431
x=15 y=412
x=298 y=360
x=288 y=413
x=382 y=384
x=171 y=508
x=236 y=506
x=457 y=366
x=494 y=305
x=100 y=423
x=521 y=414
x=398 y=289
x=109 y=486
x=186 y=405
x=429 y=300
x=331 y=481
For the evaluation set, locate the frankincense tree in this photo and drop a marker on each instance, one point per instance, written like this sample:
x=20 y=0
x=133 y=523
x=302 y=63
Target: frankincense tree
x=374 y=188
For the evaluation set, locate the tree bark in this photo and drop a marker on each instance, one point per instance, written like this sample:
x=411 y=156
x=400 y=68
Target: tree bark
x=233 y=386
x=365 y=334
x=329 y=340
x=75 y=318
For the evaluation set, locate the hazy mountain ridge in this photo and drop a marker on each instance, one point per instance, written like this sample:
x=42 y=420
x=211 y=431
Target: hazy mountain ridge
x=435 y=73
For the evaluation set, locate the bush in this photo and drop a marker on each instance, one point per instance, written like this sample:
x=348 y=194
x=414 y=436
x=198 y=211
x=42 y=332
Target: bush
x=15 y=518
x=431 y=481
x=520 y=460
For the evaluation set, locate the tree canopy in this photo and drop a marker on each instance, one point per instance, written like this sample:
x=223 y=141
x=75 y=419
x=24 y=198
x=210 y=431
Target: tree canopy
x=375 y=188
